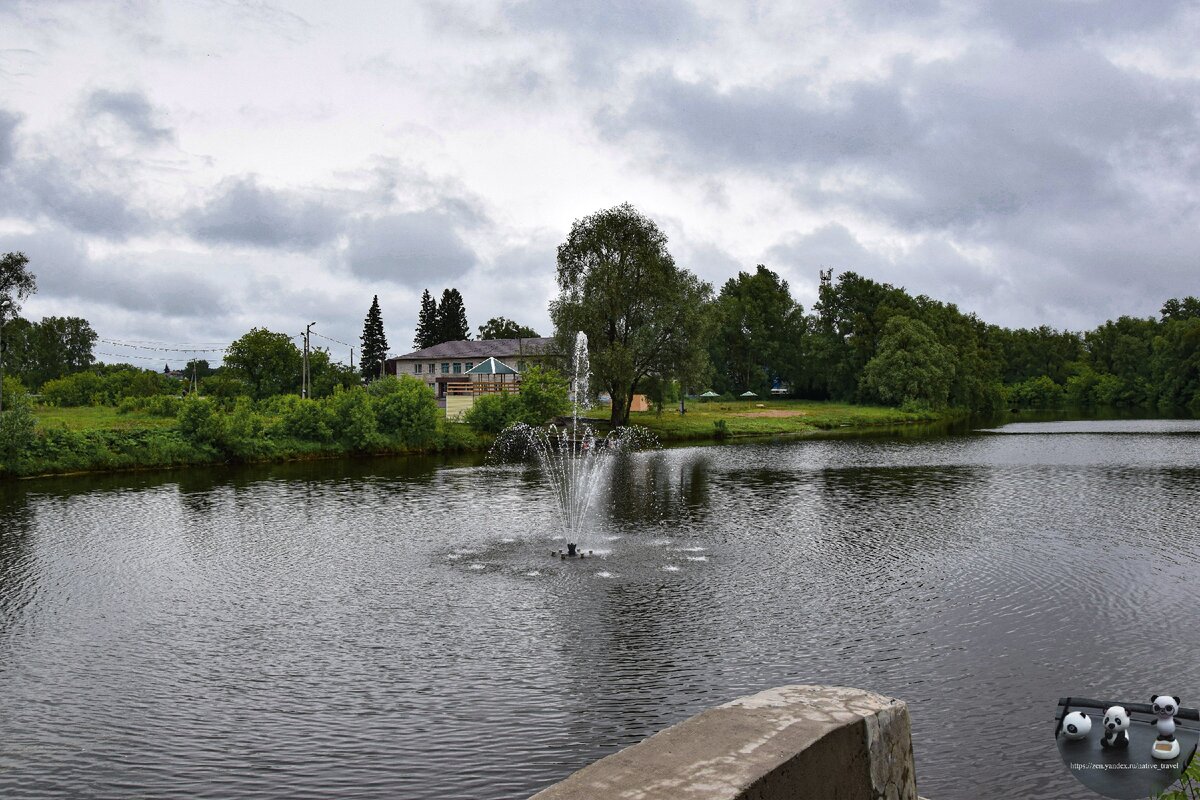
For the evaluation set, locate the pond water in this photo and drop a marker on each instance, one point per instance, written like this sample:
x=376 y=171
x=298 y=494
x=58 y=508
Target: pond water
x=397 y=628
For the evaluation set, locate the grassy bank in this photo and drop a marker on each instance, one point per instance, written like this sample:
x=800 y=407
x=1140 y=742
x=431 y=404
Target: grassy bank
x=101 y=439
x=771 y=418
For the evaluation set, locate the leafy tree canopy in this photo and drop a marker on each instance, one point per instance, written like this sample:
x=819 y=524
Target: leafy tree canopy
x=505 y=328
x=642 y=314
x=758 y=332
x=911 y=366
x=266 y=363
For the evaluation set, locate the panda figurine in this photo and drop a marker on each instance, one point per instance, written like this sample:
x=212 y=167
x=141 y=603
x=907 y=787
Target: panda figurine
x=1076 y=725
x=1165 y=709
x=1116 y=728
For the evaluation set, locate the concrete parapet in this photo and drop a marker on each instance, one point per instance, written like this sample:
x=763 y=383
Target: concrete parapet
x=797 y=742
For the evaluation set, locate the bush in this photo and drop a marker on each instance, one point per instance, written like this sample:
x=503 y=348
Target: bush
x=80 y=389
x=223 y=387
x=408 y=410
x=200 y=422
x=1039 y=392
x=387 y=385
x=720 y=429
x=158 y=406
x=545 y=394
x=108 y=388
x=455 y=436
x=309 y=420
x=244 y=432
x=17 y=425
x=353 y=419
x=492 y=413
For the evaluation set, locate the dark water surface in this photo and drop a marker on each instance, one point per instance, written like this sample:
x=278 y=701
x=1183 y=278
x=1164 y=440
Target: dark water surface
x=396 y=628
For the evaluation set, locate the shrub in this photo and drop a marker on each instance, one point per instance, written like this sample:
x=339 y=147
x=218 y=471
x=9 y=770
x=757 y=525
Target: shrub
x=244 y=432
x=353 y=419
x=387 y=385
x=223 y=387
x=408 y=410
x=720 y=429
x=80 y=389
x=455 y=436
x=1039 y=392
x=309 y=420
x=492 y=413
x=17 y=426
x=544 y=395
x=200 y=422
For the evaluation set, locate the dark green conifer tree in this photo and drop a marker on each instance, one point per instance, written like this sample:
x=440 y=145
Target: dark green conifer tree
x=452 y=318
x=374 y=343
x=427 y=321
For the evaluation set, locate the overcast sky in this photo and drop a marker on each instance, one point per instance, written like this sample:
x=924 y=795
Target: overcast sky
x=183 y=171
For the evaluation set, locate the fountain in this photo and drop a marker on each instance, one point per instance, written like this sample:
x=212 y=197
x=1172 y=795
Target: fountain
x=574 y=460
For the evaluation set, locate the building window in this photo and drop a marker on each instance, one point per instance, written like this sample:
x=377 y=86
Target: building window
x=520 y=366
x=417 y=368
x=469 y=365
x=458 y=369
x=445 y=367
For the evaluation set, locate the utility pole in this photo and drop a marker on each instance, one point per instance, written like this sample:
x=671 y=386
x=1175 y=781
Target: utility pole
x=352 y=359
x=1 y=358
x=306 y=388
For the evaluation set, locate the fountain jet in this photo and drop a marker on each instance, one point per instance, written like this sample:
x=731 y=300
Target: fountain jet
x=574 y=460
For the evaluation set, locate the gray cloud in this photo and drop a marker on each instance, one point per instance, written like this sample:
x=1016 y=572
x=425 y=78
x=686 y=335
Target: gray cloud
x=8 y=125
x=634 y=21
x=84 y=205
x=786 y=125
x=412 y=249
x=142 y=284
x=131 y=109
x=45 y=188
x=600 y=35
x=1037 y=22
x=243 y=212
x=1052 y=162
x=41 y=186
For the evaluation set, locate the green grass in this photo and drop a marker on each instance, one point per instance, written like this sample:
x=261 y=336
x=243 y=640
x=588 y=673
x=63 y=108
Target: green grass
x=802 y=416
x=98 y=418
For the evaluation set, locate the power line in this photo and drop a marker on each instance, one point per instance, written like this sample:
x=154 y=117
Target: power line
x=126 y=355
x=330 y=338
x=165 y=349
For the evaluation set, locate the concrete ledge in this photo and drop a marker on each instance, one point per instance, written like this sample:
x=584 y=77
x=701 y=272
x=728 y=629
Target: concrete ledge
x=797 y=742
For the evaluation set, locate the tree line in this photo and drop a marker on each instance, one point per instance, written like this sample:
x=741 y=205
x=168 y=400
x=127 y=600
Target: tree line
x=656 y=328
x=653 y=326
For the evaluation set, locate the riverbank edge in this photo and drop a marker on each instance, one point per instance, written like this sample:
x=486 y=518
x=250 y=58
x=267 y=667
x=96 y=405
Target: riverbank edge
x=797 y=427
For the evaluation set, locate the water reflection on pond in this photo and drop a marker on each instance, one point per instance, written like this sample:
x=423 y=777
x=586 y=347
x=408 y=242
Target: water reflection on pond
x=396 y=628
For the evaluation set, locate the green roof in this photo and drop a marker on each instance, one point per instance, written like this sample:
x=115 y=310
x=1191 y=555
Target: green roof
x=491 y=367
x=747 y=394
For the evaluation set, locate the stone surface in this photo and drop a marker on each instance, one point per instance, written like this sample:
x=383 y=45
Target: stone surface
x=798 y=742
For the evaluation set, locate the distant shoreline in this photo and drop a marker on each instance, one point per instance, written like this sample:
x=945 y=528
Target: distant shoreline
x=135 y=445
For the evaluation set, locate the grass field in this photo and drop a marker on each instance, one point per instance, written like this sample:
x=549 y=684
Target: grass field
x=98 y=418
x=769 y=418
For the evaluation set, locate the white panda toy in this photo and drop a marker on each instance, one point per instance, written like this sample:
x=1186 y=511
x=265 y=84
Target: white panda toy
x=1165 y=709
x=1076 y=725
x=1116 y=727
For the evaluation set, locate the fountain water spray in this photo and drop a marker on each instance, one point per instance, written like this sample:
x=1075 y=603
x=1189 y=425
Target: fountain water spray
x=574 y=460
